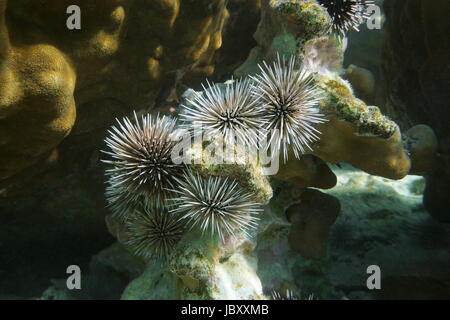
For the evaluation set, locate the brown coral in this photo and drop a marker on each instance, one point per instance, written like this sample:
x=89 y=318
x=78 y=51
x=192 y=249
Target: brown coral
x=49 y=74
x=311 y=221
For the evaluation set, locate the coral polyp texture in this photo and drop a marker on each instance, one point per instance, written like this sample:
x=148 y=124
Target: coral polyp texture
x=230 y=113
x=216 y=205
x=290 y=101
x=154 y=233
x=346 y=14
x=141 y=156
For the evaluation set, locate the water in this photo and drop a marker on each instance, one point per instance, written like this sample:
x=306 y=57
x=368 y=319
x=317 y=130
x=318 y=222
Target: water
x=285 y=157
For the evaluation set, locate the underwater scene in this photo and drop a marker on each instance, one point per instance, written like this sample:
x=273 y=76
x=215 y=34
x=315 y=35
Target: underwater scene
x=224 y=150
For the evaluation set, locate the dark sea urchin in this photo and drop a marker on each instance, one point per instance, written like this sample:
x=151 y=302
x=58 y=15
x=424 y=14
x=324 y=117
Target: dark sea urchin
x=231 y=113
x=289 y=98
x=346 y=14
x=154 y=233
x=141 y=159
x=215 y=204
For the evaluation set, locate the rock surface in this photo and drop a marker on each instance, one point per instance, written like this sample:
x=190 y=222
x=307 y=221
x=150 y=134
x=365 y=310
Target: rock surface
x=416 y=77
x=382 y=222
x=59 y=92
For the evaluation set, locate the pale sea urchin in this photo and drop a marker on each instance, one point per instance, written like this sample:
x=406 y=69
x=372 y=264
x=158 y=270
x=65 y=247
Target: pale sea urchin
x=346 y=14
x=215 y=204
x=141 y=157
x=154 y=233
x=289 y=98
x=231 y=113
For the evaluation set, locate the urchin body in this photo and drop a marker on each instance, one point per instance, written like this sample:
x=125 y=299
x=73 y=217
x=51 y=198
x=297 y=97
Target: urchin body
x=154 y=233
x=289 y=98
x=230 y=113
x=141 y=157
x=346 y=14
x=215 y=204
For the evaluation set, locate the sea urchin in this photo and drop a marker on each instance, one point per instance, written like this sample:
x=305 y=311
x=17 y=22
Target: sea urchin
x=346 y=14
x=141 y=157
x=153 y=233
x=289 y=98
x=230 y=113
x=216 y=204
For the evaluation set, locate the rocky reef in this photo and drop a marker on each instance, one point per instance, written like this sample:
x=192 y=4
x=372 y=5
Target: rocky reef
x=415 y=76
x=322 y=222
x=61 y=89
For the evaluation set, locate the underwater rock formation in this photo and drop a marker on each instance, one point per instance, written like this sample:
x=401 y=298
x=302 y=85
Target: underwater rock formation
x=61 y=89
x=230 y=231
x=298 y=221
x=422 y=145
x=284 y=28
x=416 y=78
x=311 y=221
x=53 y=78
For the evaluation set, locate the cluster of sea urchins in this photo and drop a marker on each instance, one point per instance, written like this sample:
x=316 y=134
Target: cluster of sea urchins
x=278 y=108
x=346 y=14
x=158 y=199
x=142 y=177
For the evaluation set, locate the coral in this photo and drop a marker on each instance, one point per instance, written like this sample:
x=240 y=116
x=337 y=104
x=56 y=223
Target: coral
x=60 y=90
x=308 y=171
x=284 y=28
x=324 y=55
x=50 y=76
x=362 y=81
x=359 y=134
x=422 y=144
x=355 y=133
x=249 y=234
x=415 y=82
x=298 y=221
x=311 y=222
x=209 y=270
